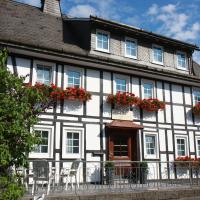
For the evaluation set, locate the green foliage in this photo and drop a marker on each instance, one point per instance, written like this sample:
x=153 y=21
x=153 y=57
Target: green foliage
x=19 y=109
x=144 y=166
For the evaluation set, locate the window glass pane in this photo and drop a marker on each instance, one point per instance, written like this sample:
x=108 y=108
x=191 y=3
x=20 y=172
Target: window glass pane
x=181 y=147
x=148 y=90
x=43 y=74
x=150 y=144
x=102 y=41
x=198 y=147
x=72 y=142
x=43 y=147
x=181 y=60
x=121 y=85
x=157 y=54
x=130 y=48
x=196 y=97
x=73 y=79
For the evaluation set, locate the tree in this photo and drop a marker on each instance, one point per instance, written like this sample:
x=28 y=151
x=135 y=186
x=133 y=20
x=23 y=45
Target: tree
x=20 y=106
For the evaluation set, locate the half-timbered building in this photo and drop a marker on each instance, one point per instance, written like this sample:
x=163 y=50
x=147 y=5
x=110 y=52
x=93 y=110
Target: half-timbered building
x=104 y=57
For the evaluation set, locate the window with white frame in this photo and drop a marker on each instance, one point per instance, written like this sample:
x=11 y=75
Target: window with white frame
x=44 y=74
x=181 y=146
x=73 y=143
x=45 y=148
x=72 y=146
x=130 y=48
x=120 y=85
x=148 y=89
x=102 y=41
x=157 y=54
x=181 y=61
x=198 y=146
x=150 y=145
x=74 y=79
x=196 y=96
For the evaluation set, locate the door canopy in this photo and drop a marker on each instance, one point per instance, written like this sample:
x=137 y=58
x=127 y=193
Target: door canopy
x=124 y=124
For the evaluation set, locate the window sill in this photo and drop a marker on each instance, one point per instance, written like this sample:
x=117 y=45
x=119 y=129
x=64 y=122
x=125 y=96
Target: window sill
x=131 y=57
x=39 y=155
x=182 y=69
x=158 y=63
x=75 y=156
x=103 y=51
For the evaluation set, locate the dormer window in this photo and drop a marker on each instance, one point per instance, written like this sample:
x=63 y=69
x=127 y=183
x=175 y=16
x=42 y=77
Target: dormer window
x=130 y=48
x=102 y=41
x=157 y=54
x=181 y=60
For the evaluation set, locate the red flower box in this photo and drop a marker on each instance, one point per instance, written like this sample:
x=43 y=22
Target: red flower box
x=57 y=93
x=123 y=99
x=196 y=109
x=152 y=105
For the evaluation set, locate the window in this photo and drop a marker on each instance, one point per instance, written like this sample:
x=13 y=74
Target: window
x=148 y=90
x=102 y=41
x=181 y=146
x=43 y=147
x=74 y=79
x=157 y=54
x=150 y=146
x=72 y=145
x=44 y=74
x=181 y=61
x=198 y=146
x=196 y=96
x=120 y=85
x=130 y=48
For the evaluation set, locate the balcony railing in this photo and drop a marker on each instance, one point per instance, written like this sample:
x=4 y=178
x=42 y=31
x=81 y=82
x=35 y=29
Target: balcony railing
x=78 y=177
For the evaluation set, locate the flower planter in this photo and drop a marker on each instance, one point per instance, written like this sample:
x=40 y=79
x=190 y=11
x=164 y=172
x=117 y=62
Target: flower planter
x=123 y=99
x=152 y=105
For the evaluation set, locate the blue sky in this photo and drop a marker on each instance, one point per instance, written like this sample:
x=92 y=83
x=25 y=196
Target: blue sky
x=179 y=19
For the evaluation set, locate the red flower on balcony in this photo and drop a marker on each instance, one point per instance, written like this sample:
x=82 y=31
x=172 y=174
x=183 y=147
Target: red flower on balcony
x=152 y=105
x=196 y=109
x=123 y=99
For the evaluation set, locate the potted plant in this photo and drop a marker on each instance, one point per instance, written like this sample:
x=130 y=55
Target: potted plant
x=196 y=109
x=143 y=172
x=109 y=170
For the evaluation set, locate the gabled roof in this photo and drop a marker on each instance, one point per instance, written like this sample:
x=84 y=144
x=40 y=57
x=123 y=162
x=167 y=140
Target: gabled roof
x=27 y=25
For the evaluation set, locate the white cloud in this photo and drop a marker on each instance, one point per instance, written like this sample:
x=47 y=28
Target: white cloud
x=153 y=10
x=82 y=11
x=170 y=8
x=174 y=23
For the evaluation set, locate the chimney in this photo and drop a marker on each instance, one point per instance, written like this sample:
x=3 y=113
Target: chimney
x=51 y=7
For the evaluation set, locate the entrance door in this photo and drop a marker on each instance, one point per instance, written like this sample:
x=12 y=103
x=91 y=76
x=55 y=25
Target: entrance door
x=122 y=148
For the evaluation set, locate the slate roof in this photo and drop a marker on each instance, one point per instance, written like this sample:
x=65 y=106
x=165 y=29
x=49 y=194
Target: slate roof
x=28 y=25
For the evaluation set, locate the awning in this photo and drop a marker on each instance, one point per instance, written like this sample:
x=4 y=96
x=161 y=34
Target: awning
x=124 y=124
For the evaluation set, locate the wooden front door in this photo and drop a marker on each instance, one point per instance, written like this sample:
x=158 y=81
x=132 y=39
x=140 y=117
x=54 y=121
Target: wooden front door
x=122 y=147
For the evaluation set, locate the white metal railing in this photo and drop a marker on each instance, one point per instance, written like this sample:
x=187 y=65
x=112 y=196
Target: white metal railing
x=80 y=177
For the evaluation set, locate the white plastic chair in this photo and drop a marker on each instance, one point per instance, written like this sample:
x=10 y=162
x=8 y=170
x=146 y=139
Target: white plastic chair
x=43 y=174
x=70 y=174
